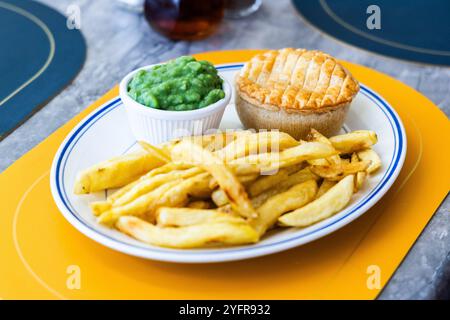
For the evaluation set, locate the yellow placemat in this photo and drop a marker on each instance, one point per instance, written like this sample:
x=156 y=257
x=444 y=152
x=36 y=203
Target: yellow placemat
x=43 y=256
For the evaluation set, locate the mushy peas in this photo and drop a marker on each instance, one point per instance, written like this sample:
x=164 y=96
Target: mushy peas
x=179 y=85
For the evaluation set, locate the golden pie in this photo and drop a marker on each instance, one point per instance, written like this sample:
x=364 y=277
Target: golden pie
x=294 y=90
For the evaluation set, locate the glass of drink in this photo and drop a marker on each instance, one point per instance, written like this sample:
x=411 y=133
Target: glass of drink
x=236 y=9
x=184 y=19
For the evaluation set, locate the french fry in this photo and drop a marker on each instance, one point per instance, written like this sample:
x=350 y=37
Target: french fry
x=373 y=157
x=248 y=179
x=137 y=207
x=354 y=141
x=337 y=172
x=190 y=236
x=244 y=179
x=168 y=193
x=360 y=177
x=139 y=187
x=266 y=182
x=200 y=187
x=260 y=142
x=354 y=158
x=155 y=151
x=319 y=162
x=167 y=146
x=219 y=198
x=192 y=153
x=299 y=177
x=324 y=187
x=98 y=207
x=295 y=168
x=174 y=193
x=294 y=198
x=115 y=173
x=316 y=136
x=168 y=167
x=199 y=204
x=149 y=184
x=270 y=162
x=328 y=204
x=293 y=179
x=179 y=194
x=170 y=217
x=118 y=193
x=225 y=208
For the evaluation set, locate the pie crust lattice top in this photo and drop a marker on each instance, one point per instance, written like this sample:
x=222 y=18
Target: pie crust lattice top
x=296 y=79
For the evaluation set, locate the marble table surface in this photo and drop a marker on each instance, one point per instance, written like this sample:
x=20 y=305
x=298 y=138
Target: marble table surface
x=120 y=40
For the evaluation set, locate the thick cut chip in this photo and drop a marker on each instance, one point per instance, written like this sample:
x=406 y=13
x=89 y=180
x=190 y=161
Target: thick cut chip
x=359 y=180
x=271 y=162
x=151 y=183
x=260 y=142
x=98 y=207
x=337 y=172
x=228 y=182
x=115 y=173
x=192 y=192
x=294 y=198
x=316 y=136
x=333 y=201
x=244 y=179
x=178 y=195
x=373 y=157
x=155 y=151
x=138 y=207
x=219 y=198
x=325 y=186
x=354 y=141
x=171 y=217
x=200 y=204
x=189 y=236
x=293 y=179
x=168 y=167
x=266 y=182
x=173 y=194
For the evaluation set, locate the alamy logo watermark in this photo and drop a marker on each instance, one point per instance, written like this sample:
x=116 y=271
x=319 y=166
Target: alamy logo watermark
x=373 y=281
x=73 y=281
x=73 y=17
x=374 y=20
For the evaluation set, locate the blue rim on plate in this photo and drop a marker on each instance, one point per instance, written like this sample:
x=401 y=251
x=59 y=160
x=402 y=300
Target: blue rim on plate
x=138 y=249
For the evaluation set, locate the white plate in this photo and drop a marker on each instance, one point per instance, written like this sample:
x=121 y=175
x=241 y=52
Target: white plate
x=105 y=133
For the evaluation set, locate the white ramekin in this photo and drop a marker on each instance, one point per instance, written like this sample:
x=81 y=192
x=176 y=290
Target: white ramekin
x=157 y=126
